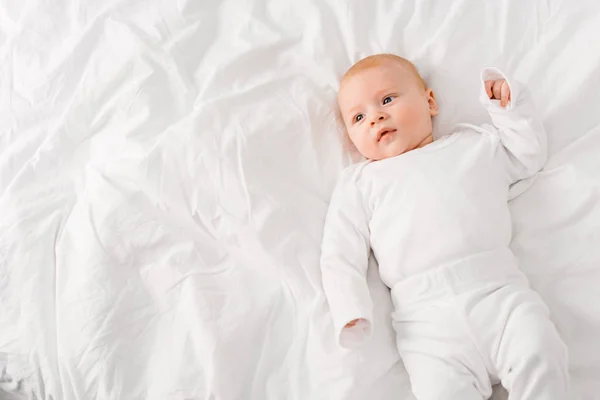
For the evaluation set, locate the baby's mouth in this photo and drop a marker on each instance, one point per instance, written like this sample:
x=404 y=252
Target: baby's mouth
x=383 y=133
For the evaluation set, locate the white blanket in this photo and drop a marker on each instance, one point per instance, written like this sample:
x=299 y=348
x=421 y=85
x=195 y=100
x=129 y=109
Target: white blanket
x=165 y=168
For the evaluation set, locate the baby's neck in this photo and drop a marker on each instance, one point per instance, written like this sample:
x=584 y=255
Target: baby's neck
x=425 y=142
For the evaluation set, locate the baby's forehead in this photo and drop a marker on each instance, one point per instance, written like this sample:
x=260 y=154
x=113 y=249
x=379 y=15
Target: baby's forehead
x=378 y=67
x=374 y=78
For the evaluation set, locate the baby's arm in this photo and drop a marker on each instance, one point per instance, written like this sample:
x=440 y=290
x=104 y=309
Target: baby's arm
x=344 y=263
x=521 y=132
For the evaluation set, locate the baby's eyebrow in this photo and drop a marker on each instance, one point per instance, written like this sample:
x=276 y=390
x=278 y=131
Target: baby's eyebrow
x=354 y=109
x=386 y=91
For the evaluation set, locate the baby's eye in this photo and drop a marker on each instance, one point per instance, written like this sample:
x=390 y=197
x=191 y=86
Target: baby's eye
x=358 y=118
x=388 y=99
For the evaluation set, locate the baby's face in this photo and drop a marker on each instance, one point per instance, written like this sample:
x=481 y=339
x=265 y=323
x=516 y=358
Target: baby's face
x=386 y=110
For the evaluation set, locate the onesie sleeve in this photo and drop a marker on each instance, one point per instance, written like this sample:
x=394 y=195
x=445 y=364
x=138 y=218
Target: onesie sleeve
x=344 y=262
x=520 y=130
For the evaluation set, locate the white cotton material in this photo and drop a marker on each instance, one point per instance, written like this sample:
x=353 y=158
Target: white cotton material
x=166 y=169
x=461 y=328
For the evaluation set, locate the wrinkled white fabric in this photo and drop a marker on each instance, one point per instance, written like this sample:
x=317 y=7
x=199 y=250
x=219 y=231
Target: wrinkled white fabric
x=165 y=171
x=443 y=204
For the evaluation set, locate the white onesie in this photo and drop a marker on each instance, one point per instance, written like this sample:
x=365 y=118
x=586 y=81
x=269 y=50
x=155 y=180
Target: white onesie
x=438 y=223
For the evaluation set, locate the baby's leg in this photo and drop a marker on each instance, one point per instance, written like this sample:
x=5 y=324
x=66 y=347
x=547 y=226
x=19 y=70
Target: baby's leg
x=530 y=357
x=442 y=361
x=435 y=379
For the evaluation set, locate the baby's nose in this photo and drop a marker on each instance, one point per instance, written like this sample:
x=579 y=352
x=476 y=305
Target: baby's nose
x=379 y=118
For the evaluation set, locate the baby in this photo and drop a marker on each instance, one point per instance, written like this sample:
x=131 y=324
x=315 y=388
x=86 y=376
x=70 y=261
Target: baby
x=436 y=217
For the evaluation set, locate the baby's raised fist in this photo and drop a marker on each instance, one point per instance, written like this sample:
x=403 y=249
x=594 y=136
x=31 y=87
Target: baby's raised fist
x=498 y=90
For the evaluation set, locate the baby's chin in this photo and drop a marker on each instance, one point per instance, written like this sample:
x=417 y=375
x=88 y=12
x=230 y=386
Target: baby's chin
x=386 y=154
x=390 y=151
x=387 y=148
x=397 y=147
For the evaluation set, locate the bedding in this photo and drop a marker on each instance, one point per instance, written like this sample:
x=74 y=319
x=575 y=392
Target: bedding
x=166 y=166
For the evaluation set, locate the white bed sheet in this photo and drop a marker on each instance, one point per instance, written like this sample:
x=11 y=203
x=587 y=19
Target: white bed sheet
x=165 y=168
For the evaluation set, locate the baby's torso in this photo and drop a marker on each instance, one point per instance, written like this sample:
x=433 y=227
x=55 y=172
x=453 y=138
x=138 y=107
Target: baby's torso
x=437 y=205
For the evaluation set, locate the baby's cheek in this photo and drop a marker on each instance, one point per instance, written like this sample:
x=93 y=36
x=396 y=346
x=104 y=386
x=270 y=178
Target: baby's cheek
x=406 y=114
x=416 y=116
x=360 y=142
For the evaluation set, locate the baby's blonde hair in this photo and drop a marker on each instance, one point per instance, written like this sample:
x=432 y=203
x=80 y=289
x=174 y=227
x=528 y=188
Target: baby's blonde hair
x=376 y=60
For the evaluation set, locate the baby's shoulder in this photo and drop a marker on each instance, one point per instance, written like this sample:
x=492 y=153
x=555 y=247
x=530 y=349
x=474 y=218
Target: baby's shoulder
x=473 y=130
x=471 y=134
x=353 y=172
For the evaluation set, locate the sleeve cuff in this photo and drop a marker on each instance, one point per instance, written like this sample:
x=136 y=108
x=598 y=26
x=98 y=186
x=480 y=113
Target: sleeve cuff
x=358 y=334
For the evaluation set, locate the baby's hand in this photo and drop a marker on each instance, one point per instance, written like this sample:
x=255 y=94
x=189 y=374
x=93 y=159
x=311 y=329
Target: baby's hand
x=351 y=323
x=499 y=90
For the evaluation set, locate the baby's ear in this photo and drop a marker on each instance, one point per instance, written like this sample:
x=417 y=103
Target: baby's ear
x=433 y=105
